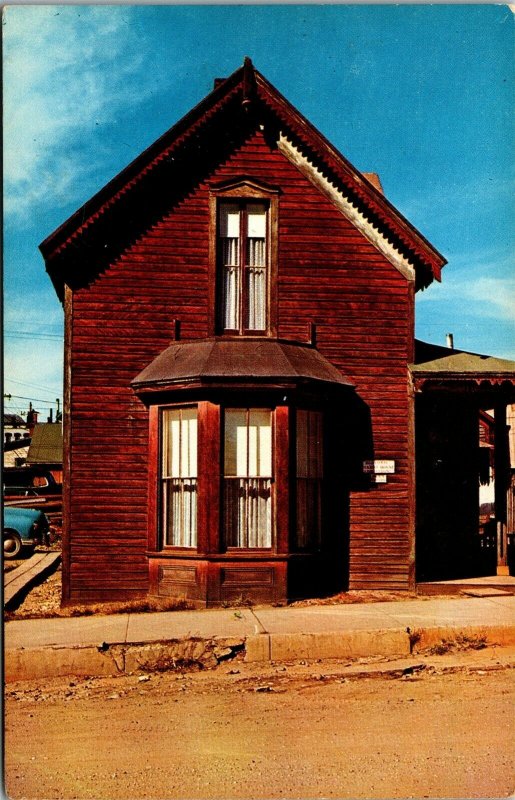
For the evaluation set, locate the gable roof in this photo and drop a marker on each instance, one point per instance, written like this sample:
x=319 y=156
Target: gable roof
x=46 y=446
x=85 y=237
x=14 y=421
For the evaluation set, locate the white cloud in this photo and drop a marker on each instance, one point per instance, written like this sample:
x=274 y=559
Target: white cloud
x=495 y=297
x=65 y=69
x=33 y=345
x=36 y=312
x=482 y=286
x=35 y=364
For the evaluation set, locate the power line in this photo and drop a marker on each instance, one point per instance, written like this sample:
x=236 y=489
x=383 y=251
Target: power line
x=32 y=335
x=42 y=328
x=56 y=402
x=33 y=386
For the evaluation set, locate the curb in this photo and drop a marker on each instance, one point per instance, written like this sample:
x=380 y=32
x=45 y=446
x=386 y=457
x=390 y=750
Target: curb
x=108 y=659
x=24 y=664
x=310 y=646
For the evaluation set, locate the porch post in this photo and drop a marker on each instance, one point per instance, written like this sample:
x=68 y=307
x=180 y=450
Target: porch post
x=501 y=463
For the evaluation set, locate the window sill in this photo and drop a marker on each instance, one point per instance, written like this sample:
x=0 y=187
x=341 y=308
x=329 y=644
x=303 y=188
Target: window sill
x=172 y=552
x=227 y=556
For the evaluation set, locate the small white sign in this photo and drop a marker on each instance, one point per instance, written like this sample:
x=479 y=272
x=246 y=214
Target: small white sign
x=378 y=478
x=379 y=467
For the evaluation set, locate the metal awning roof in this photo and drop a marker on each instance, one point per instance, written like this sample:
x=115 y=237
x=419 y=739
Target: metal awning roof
x=249 y=360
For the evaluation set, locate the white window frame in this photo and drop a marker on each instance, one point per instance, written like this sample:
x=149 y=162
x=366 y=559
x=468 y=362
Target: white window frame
x=248 y=498
x=179 y=476
x=244 y=265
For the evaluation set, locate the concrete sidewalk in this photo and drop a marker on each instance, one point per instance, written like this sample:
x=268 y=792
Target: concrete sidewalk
x=124 y=642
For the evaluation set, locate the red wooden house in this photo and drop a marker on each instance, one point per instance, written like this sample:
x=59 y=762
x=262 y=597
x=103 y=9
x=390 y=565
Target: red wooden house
x=239 y=413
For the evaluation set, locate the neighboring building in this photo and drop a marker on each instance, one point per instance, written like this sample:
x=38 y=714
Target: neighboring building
x=16 y=441
x=239 y=321
x=46 y=449
x=461 y=413
x=33 y=460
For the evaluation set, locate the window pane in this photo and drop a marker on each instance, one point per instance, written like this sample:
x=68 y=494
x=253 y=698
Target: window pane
x=189 y=443
x=302 y=444
x=256 y=220
x=230 y=252
x=248 y=512
x=243 y=254
x=231 y=298
x=309 y=513
x=230 y=220
x=179 y=477
x=180 y=512
x=255 y=259
x=309 y=444
x=235 y=442
x=260 y=443
x=309 y=478
x=256 y=252
x=171 y=443
x=248 y=472
x=256 y=294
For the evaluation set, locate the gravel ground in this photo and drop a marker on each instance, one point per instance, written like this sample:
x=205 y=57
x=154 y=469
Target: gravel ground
x=241 y=731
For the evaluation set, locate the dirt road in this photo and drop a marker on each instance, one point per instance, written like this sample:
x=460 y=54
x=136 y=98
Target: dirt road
x=279 y=732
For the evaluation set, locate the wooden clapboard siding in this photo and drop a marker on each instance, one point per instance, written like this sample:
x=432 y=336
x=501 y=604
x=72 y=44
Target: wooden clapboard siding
x=328 y=273
x=120 y=323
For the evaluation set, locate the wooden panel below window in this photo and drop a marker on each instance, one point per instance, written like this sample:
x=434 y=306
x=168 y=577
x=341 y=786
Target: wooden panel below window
x=248 y=576
x=208 y=583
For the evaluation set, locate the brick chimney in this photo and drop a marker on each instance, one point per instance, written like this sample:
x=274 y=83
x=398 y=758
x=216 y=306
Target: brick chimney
x=32 y=419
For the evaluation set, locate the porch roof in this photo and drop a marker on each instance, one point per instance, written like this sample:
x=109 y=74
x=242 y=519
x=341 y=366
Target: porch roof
x=436 y=365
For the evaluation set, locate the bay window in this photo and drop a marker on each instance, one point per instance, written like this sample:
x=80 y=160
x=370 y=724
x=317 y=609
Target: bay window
x=243 y=257
x=247 y=482
x=179 y=477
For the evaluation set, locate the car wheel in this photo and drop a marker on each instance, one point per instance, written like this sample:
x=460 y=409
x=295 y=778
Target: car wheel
x=12 y=544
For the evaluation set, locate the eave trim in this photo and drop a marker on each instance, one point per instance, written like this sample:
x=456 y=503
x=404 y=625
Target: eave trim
x=374 y=236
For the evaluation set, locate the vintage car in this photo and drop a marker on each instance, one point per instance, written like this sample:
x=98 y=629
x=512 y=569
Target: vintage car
x=18 y=480
x=28 y=487
x=24 y=528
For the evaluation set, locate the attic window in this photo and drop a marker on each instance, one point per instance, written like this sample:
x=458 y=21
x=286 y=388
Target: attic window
x=243 y=257
x=243 y=249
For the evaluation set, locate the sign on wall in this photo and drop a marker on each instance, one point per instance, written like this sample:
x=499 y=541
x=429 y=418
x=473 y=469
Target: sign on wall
x=379 y=467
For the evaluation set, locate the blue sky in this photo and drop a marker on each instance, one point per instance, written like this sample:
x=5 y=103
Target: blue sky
x=423 y=95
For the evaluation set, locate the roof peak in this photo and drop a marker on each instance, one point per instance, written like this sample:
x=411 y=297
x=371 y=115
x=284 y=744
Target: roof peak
x=246 y=90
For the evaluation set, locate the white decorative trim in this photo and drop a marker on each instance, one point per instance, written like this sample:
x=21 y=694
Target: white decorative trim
x=375 y=237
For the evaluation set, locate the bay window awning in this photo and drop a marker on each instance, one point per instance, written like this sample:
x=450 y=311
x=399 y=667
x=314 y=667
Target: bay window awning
x=226 y=362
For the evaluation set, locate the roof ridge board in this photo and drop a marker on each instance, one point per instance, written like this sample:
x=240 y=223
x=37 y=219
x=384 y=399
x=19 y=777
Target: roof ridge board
x=371 y=194
x=152 y=155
